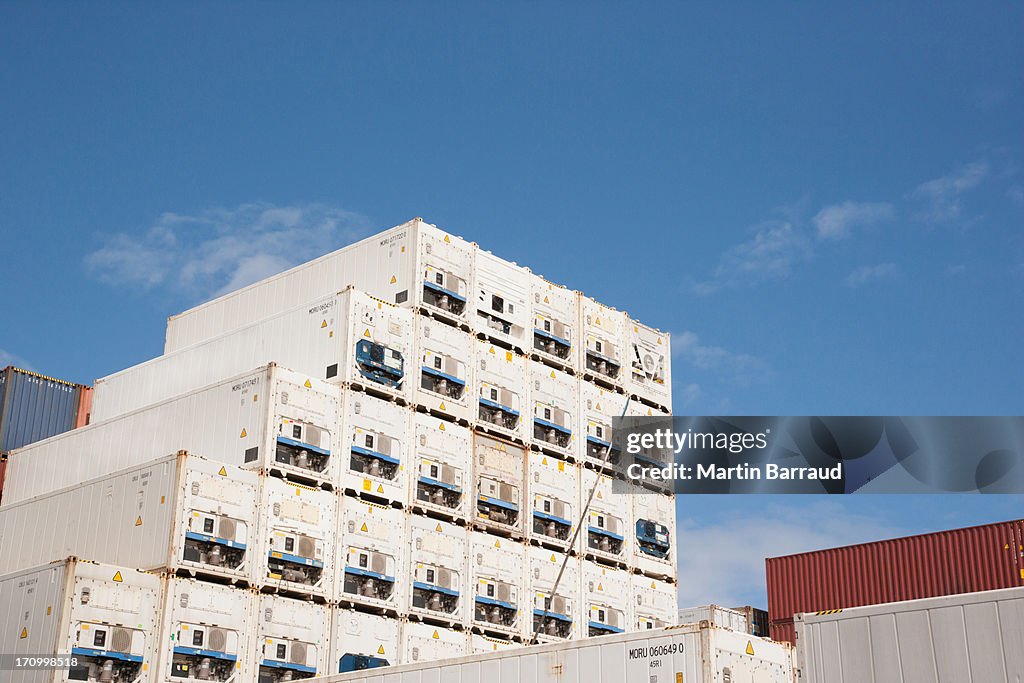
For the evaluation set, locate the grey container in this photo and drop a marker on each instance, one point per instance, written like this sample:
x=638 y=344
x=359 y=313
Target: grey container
x=966 y=638
x=34 y=407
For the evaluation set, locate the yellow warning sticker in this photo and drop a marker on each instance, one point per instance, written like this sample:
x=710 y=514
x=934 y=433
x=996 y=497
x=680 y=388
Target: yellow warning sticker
x=561 y=466
x=323 y=324
x=394 y=279
x=366 y=484
x=436 y=634
x=547 y=300
x=223 y=472
x=117 y=577
x=508 y=356
x=750 y=648
x=363 y=528
x=553 y=558
x=597 y=321
x=441 y=426
x=24 y=632
x=659 y=340
x=679 y=677
x=491 y=351
x=544 y=460
x=367 y=333
x=600 y=587
x=552 y=374
x=308 y=384
x=243 y=434
x=380 y=488
x=438 y=528
x=380 y=650
x=442 y=406
x=497 y=543
x=447 y=240
x=138 y=521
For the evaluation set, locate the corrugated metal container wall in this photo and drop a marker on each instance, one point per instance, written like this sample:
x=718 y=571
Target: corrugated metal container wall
x=84 y=407
x=930 y=565
x=34 y=407
x=3 y=474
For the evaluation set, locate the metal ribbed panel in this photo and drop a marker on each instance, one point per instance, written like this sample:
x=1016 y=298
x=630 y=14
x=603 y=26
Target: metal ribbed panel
x=944 y=563
x=34 y=407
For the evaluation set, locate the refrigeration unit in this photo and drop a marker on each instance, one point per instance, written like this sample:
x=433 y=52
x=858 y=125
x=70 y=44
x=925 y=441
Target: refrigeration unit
x=181 y=513
x=496 y=576
x=498 y=471
x=603 y=348
x=606 y=536
x=413 y=265
x=206 y=633
x=442 y=468
x=347 y=338
x=103 y=616
x=553 y=491
x=555 y=613
x=480 y=643
x=371 y=540
x=654 y=526
x=604 y=594
x=376 y=440
x=555 y=314
x=291 y=640
x=599 y=408
x=650 y=365
x=270 y=419
x=297 y=528
x=653 y=603
x=429 y=642
x=502 y=301
x=435 y=571
x=500 y=391
x=362 y=641
x=554 y=405
x=443 y=368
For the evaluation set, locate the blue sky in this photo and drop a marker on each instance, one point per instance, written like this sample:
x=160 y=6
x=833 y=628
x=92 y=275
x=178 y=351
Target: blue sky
x=824 y=204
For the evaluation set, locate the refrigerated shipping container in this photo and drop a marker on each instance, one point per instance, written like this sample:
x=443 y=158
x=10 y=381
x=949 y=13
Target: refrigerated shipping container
x=598 y=409
x=966 y=638
x=442 y=472
x=360 y=640
x=723 y=617
x=103 y=616
x=555 y=315
x=428 y=642
x=650 y=365
x=499 y=487
x=270 y=419
x=413 y=265
x=34 y=407
x=554 y=407
x=441 y=370
x=604 y=594
x=502 y=301
x=181 y=513
x=345 y=338
x=555 y=610
x=434 y=582
x=654 y=534
x=654 y=603
x=602 y=351
x=496 y=580
x=376 y=448
x=291 y=641
x=690 y=654
x=500 y=393
x=607 y=537
x=965 y=560
x=552 y=492
x=371 y=548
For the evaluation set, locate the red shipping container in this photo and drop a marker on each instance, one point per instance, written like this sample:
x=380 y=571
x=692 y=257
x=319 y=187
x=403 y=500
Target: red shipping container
x=967 y=560
x=84 y=407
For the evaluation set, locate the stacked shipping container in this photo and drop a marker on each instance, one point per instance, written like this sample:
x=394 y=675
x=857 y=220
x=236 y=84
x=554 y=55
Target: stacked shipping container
x=413 y=470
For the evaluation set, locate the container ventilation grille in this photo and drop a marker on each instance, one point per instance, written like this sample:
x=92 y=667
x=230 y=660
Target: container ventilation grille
x=218 y=639
x=226 y=528
x=379 y=563
x=121 y=640
x=306 y=546
x=504 y=592
x=297 y=653
x=444 y=578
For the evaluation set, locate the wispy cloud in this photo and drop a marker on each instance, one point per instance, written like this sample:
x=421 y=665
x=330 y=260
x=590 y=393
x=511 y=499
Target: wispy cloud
x=865 y=274
x=837 y=220
x=738 y=368
x=769 y=254
x=8 y=358
x=941 y=199
x=222 y=249
x=729 y=567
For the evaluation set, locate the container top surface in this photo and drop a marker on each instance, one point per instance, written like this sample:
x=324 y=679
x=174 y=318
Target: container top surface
x=911 y=605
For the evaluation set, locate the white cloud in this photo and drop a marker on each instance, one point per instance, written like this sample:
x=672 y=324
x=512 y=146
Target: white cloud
x=723 y=562
x=768 y=255
x=835 y=221
x=941 y=198
x=8 y=358
x=740 y=368
x=865 y=274
x=221 y=249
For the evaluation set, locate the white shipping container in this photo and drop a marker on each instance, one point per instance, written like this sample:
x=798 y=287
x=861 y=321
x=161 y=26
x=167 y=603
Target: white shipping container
x=654 y=534
x=206 y=633
x=556 y=613
x=372 y=541
x=607 y=536
x=182 y=513
x=603 y=348
x=345 y=337
x=362 y=641
x=654 y=603
x=435 y=583
x=683 y=653
x=500 y=391
x=555 y=323
x=499 y=487
x=496 y=577
x=297 y=527
x=650 y=364
x=480 y=643
x=553 y=492
x=502 y=301
x=598 y=410
x=442 y=468
x=103 y=616
x=270 y=419
x=605 y=592
x=376 y=443
x=554 y=405
x=291 y=640
x=429 y=643
x=411 y=265
x=442 y=370
x=723 y=617
x=967 y=638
